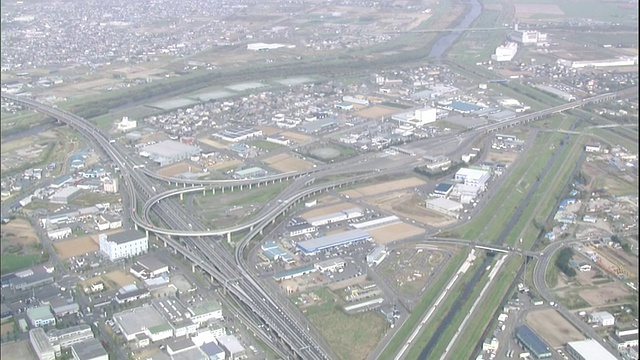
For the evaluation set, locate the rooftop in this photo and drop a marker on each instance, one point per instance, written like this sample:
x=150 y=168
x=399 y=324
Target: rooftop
x=532 y=340
x=230 y=343
x=40 y=312
x=333 y=240
x=125 y=236
x=590 y=350
x=205 y=308
x=135 y=320
x=169 y=149
x=88 y=349
x=151 y=263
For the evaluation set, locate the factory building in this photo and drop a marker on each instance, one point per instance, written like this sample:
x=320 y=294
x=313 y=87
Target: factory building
x=442 y=190
x=588 y=350
x=231 y=346
x=265 y=46
x=299 y=226
x=473 y=177
x=65 y=338
x=124 y=244
x=377 y=255
x=505 y=52
x=330 y=264
x=126 y=124
x=237 y=134
x=416 y=118
x=64 y=195
x=250 y=173
x=169 y=152
x=444 y=206
x=90 y=349
x=205 y=312
x=58 y=234
x=336 y=217
x=327 y=242
x=143 y=320
x=532 y=343
x=602 y=318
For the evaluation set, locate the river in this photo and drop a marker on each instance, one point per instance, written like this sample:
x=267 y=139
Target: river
x=446 y=41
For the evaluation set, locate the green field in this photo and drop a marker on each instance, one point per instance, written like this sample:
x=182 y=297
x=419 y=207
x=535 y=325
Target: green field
x=350 y=336
x=265 y=145
x=420 y=310
x=11 y=263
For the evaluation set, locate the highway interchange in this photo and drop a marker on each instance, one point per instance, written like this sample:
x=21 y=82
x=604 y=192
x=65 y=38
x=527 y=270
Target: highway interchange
x=270 y=319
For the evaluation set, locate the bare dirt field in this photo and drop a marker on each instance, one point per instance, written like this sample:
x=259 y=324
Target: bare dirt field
x=327 y=210
x=267 y=130
x=377 y=111
x=222 y=165
x=18 y=232
x=505 y=157
x=212 y=143
x=17 y=350
x=77 y=246
x=410 y=205
x=93 y=83
x=552 y=327
x=524 y=11
x=604 y=294
x=179 y=168
x=393 y=232
x=288 y=163
x=296 y=136
x=6 y=328
x=384 y=187
x=120 y=278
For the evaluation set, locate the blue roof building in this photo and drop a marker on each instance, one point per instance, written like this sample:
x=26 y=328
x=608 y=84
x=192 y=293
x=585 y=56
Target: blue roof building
x=531 y=342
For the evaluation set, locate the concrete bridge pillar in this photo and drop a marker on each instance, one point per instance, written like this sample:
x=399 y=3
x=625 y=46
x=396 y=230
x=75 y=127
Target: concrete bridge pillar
x=223 y=189
x=251 y=228
x=229 y=237
x=146 y=231
x=193 y=268
x=135 y=225
x=181 y=196
x=231 y=188
x=240 y=187
x=204 y=192
x=262 y=231
x=165 y=243
x=249 y=186
x=184 y=185
x=214 y=191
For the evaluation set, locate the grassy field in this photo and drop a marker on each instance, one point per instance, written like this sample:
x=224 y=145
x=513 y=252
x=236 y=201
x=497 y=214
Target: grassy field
x=615 y=139
x=11 y=263
x=90 y=199
x=265 y=145
x=424 y=305
x=350 y=336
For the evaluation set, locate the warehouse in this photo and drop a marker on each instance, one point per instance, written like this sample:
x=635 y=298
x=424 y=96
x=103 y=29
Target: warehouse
x=444 y=206
x=330 y=264
x=169 y=152
x=58 y=234
x=250 y=173
x=336 y=217
x=233 y=134
x=588 y=350
x=327 y=242
x=231 y=346
x=64 y=195
x=299 y=226
x=143 y=320
x=473 y=177
x=602 y=318
x=532 y=343
x=377 y=255
x=90 y=349
x=273 y=252
x=41 y=316
x=318 y=126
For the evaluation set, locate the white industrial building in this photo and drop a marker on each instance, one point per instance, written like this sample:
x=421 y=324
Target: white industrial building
x=473 y=177
x=602 y=318
x=465 y=193
x=143 y=320
x=621 y=61
x=355 y=100
x=126 y=124
x=444 y=206
x=528 y=37
x=505 y=52
x=333 y=264
x=588 y=350
x=204 y=312
x=336 y=217
x=231 y=346
x=110 y=185
x=124 y=244
x=41 y=316
x=90 y=349
x=63 y=195
x=416 y=118
x=58 y=234
x=264 y=46
x=169 y=152
x=377 y=255
x=593 y=148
